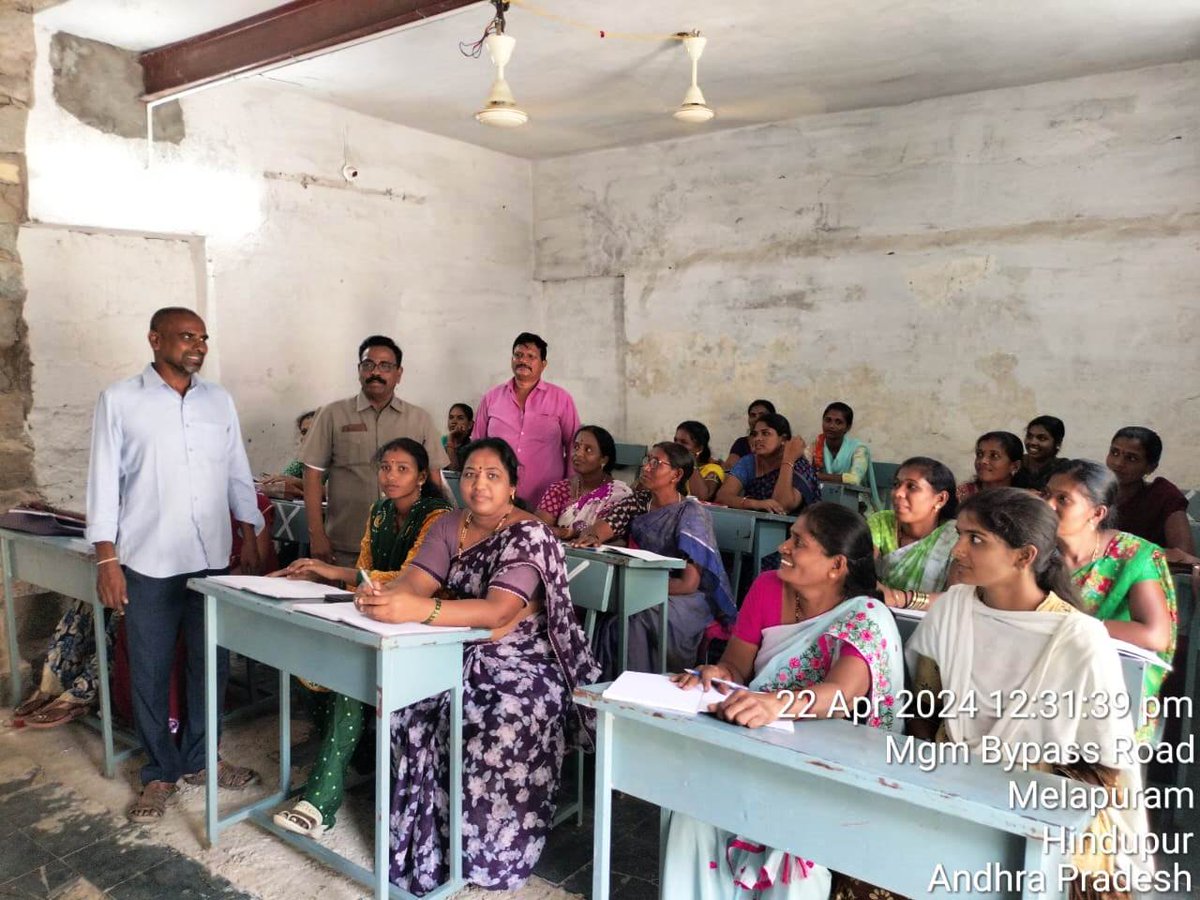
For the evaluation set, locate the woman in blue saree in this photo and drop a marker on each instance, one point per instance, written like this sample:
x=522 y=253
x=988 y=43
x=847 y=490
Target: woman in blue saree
x=659 y=518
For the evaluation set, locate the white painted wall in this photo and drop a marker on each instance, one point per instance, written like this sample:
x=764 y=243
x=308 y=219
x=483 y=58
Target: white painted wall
x=89 y=317
x=947 y=267
x=432 y=245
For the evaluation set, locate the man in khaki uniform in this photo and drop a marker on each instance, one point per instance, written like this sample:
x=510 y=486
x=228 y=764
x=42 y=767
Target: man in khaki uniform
x=340 y=446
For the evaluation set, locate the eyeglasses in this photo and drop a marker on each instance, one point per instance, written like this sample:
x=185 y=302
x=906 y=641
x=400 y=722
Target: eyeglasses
x=369 y=365
x=653 y=462
x=526 y=357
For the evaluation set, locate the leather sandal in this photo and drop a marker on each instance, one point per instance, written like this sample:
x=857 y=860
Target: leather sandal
x=59 y=712
x=303 y=818
x=229 y=776
x=151 y=804
x=33 y=703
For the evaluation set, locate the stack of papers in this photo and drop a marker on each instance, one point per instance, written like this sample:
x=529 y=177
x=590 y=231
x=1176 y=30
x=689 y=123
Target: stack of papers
x=658 y=692
x=348 y=615
x=279 y=588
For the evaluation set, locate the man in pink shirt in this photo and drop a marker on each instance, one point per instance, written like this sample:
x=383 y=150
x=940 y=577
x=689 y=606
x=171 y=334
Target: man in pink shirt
x=538 y=419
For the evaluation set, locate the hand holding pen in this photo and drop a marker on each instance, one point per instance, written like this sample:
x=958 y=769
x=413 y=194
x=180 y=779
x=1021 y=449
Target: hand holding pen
x=706 y=677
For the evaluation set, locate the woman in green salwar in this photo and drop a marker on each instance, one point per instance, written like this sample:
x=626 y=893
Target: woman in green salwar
x=914 y=539
x=396 y=527
x=1123 y=580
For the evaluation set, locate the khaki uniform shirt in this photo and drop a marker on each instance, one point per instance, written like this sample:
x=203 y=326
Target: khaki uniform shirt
x=343 y=439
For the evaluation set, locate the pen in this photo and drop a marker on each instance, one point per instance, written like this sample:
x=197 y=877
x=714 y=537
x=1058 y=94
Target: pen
x=728 y=684
x=366 y=579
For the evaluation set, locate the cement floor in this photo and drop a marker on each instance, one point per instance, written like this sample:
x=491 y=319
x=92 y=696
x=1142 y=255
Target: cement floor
x=63 y=833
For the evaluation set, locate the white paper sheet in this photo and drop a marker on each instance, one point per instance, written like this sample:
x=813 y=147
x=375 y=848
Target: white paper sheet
x=658 y=692
x=347 y=614
x=279 y=588
x=636 y=553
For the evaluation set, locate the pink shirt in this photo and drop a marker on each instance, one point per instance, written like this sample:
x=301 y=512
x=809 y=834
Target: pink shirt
x=541 y=433
x=763 y=608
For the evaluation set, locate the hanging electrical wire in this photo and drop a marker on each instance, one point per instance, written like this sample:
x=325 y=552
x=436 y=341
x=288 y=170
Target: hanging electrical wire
x=474 y=49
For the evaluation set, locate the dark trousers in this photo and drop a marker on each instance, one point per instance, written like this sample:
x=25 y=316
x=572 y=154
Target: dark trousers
x=159 y=609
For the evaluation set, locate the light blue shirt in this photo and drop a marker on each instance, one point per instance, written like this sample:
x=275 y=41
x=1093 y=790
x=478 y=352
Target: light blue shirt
x=166 y=470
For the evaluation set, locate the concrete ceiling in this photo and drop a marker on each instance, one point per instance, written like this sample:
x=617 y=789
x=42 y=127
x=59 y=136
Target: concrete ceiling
x=766 y=60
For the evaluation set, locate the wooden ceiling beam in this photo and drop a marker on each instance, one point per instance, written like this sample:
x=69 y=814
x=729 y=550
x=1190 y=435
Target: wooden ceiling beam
x=291 y=31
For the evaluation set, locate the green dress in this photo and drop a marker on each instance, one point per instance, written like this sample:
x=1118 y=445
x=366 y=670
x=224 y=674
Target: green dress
x=338 y=718
x=1104 y=586
x=923 y=565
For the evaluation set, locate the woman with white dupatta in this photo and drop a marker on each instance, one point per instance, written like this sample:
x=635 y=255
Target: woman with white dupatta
x=815 y=624
x=1009 y=632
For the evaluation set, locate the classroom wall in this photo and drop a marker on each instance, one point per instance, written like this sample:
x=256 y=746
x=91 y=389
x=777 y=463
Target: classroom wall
x=946 y=267
x=292 y=266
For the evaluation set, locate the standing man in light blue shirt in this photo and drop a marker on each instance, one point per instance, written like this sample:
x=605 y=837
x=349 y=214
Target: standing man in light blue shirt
x=167 y=468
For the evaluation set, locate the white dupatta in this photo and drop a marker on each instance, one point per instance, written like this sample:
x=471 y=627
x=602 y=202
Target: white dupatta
x=977 y=648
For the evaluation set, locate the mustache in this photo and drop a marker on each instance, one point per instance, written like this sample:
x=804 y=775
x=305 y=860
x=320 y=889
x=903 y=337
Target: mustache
x=376 y=379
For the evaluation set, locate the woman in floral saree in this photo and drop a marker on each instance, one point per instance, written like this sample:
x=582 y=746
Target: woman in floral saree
x=815 y=625
x=489 y=566
x=572 y=504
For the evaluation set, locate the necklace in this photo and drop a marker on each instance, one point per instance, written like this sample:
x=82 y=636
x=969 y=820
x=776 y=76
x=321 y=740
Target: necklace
x=467 y=521
x=1096 y=549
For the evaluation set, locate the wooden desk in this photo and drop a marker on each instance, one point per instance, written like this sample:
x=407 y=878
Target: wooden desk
x=826 y=792
x=386 y=673
x=639 y=585
x=67 y=566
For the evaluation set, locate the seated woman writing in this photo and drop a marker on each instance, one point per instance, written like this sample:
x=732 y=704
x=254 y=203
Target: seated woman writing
x=396 y=528
x=572 y=504
x=1122 y=579
x=289 y=484
x=839 y=458
x=998 y=457
x=754 y=483
x=660 y=519
x=1012 y=629
x=1043 y=439
x=496 y=567
x=707 y=474
x=812 y=625
x=913 y=540
x=741 y=447
x=1156 y=512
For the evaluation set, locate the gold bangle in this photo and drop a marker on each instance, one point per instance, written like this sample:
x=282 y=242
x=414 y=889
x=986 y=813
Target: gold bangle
x=101 y=562
x=920 y=600
x=437 y=608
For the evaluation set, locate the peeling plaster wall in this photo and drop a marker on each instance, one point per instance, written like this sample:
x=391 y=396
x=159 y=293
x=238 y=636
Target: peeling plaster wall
x=946 y=267
x=292 y=265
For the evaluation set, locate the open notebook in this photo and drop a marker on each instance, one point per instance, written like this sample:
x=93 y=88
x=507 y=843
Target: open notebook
x=348 y=615
x=657 y=692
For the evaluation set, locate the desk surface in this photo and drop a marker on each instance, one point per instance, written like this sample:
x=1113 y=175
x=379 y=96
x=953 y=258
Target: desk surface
x=283 y=610
x=855 y=756
x=68 y=544
x=620 y=560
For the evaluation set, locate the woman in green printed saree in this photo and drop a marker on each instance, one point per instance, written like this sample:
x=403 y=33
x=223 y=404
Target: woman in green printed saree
x=913 y=541
x=1122 y=579
x=396 y=527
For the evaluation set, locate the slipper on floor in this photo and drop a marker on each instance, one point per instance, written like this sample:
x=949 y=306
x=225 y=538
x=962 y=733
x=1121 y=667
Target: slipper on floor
x=60 y=712
x=152 y=802
x=33 y=703
x=229 y=776
x=303 y=818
